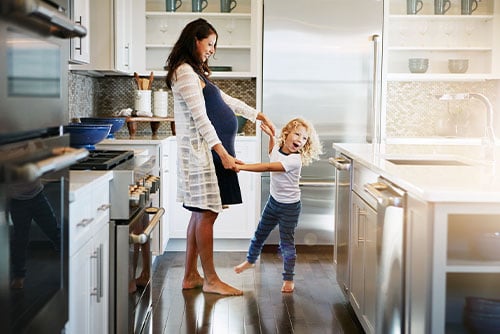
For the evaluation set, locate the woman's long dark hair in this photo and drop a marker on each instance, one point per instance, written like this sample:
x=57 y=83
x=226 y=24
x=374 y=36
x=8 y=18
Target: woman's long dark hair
x=184 y=50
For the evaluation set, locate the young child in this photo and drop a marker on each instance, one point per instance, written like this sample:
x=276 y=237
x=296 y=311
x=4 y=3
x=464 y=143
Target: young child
x=297 y=145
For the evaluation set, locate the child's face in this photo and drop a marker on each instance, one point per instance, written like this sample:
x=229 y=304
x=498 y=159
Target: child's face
x=295 y=140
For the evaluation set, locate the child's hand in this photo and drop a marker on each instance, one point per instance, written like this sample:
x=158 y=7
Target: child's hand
x=266 y=129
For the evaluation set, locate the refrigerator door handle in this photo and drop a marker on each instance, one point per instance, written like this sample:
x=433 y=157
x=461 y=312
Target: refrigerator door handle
x=374 y=130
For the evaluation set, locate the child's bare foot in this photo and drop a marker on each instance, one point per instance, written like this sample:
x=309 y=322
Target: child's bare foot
x=288 y=286
x=196 y=281
x=221 y=288
x=243 y=266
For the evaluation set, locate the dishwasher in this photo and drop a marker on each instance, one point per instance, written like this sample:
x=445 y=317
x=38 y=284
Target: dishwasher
x=391 y=205
x=343 y=174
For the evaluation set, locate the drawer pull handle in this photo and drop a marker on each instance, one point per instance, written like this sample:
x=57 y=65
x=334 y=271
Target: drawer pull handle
x=85 y=222
x=104 y=207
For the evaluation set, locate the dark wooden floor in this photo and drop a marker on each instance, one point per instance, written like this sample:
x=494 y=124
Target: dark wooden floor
x=316 y=306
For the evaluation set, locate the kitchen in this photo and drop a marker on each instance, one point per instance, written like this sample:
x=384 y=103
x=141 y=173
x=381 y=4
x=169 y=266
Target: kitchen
x=410 y=114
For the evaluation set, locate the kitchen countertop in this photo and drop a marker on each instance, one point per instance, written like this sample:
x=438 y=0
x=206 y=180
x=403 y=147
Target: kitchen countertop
x=475 y=183
x=79 y=181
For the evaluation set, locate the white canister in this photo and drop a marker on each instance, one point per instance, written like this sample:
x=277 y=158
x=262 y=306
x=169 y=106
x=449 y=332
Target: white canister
x=160 y=103
x=142 y=103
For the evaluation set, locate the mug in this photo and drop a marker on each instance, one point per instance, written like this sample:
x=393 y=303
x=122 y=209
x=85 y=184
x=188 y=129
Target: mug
x=173 y=5
x=468 y=6
x=441 y=6
x=227 y=6
x=199 y=5
x=413 y=6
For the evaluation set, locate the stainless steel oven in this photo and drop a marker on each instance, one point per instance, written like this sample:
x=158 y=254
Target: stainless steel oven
x=34 y=160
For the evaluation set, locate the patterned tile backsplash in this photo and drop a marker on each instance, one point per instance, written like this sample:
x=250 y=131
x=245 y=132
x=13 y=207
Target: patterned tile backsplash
x=106 y=96
x=412 y=109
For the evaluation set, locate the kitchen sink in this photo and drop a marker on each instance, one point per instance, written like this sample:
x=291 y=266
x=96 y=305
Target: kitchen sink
x=427 y=162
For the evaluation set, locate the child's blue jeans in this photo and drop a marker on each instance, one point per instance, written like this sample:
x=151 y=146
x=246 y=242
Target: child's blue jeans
x=287 y=217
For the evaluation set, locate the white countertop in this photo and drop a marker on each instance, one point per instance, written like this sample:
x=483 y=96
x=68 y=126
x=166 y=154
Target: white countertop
x=79 y=181
x=477 y=183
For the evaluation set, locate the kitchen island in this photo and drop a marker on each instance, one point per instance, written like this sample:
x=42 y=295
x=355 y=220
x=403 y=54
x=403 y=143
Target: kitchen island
x=452 y=201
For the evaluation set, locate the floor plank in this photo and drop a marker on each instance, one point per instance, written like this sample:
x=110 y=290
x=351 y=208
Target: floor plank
x=316 y=306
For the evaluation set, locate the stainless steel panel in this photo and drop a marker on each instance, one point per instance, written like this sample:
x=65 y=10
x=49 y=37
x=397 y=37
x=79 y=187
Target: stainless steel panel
x=390 y=255
x=342 y=220
x=316 y=219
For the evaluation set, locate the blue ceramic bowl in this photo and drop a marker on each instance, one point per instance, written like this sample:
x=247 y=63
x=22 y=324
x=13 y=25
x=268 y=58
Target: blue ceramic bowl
x=116 y=122
x=86 y=135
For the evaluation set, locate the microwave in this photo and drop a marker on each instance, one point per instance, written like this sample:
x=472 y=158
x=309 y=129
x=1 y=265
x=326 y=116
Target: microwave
x=34 y=53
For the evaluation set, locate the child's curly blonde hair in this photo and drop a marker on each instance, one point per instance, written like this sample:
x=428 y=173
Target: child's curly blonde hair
x=312 y=149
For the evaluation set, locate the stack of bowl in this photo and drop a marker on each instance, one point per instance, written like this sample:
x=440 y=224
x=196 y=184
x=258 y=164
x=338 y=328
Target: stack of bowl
x=116 y=123
x=418 y=65
x=482 y=315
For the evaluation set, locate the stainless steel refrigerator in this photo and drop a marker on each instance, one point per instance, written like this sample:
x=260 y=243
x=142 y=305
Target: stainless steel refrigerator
x=322 y=61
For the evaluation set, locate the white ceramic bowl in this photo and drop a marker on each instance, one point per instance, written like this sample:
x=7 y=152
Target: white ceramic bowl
x=418 y=65
x=488 y=246
x=458 y=65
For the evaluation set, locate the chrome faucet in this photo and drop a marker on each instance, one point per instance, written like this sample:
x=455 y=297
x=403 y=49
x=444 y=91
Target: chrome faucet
x=489 y=139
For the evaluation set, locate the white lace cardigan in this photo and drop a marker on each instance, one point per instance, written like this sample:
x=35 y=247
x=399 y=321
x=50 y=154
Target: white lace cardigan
x=196 y=179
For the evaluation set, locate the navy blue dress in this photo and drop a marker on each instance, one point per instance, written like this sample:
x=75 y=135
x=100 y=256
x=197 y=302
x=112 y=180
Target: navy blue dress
x=226 y=125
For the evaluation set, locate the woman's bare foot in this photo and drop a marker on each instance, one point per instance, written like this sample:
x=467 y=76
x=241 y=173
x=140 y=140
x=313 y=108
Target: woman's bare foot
x=196 y=281
x=288 y=286
x=243 y=266
x=221 y=288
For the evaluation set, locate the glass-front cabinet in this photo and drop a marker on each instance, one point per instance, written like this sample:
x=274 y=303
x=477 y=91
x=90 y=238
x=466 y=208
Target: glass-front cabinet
x=238 y=46
x=465 y=267
x=440 y=37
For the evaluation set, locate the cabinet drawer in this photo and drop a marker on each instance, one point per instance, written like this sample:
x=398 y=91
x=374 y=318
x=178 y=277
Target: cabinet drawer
x=361 y=175
x=100 y=205
x=80 y=223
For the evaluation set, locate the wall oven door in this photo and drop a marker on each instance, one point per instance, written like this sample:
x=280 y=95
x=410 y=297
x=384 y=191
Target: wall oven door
x=34 y=183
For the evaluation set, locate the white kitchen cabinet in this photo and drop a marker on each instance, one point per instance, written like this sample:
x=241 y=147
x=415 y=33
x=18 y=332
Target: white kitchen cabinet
x=80 y=46
x=236 y=222
x=89 y=256
x=156 y=149
x=442 y=37
x=238 y=45
x=112 y=32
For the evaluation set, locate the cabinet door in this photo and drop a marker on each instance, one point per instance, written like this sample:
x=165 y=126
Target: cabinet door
x=370 y=268
x=123 y=34
x=356 y=294
x=100 y=281
x=363 y=291
x=79 y=291
x=80 y=47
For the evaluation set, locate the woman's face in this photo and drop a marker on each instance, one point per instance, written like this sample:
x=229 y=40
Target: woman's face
x=206 y=47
